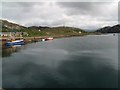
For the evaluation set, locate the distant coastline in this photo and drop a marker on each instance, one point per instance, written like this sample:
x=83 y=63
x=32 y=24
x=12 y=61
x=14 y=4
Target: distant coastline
x=39 y=38
x=36 y=33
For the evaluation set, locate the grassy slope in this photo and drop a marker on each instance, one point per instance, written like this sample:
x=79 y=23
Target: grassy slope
x=55 y=31
x=49 y=31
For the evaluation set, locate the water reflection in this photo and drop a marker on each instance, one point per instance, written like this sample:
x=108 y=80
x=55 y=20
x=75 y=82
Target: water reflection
x=88 y=73
x=87 y=62
x=77 y=72
x=8 y=51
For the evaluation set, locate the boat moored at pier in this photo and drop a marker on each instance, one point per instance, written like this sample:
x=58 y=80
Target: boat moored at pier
x=47 y=39
x=15 y=42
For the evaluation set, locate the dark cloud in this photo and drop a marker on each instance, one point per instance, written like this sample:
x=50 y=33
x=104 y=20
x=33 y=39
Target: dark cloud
x=21 y=4
x=95 y=9
x=77 y=5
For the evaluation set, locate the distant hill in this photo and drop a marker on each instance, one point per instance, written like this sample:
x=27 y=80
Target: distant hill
x=38 y=27
x=40 y=30
x=7 y=26
x=109 y=29
x=53 y=31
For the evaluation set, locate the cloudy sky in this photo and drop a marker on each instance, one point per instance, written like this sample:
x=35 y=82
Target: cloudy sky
x=87 y=15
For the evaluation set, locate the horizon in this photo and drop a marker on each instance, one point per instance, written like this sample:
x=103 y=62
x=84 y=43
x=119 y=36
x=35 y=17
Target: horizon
x=84 y=15
x=58 y=26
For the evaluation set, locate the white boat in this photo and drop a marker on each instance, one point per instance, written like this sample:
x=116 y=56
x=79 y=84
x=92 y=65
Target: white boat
x=47 y=39
x=50 y=38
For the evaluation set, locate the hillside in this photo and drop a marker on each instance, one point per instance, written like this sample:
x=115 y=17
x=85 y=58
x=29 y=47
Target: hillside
x=8 y=26
x=109 y=29
x=41 y=30
x=52 y=31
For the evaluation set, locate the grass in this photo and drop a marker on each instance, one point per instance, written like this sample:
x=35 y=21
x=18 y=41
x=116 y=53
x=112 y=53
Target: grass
x=52 y=31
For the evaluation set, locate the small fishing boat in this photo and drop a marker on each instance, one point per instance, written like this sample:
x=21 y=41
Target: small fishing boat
x=47 y=39
x=50 y=38
x=15 y=42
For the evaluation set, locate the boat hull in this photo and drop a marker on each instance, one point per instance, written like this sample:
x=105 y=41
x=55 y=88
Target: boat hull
x=17 y=42
x=46 y=39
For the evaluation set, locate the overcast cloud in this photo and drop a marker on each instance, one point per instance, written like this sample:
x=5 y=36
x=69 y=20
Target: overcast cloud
x=87 y=15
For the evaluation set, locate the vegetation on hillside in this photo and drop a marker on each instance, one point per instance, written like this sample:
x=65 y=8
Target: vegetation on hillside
x=54 y=31
x=41 y=31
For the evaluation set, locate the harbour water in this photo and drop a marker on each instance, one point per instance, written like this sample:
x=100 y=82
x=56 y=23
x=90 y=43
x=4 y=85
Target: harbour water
x=75 y=62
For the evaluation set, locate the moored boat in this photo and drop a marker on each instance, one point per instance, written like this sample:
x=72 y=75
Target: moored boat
x=50 y=38
x=47 y=39
x=15 y=42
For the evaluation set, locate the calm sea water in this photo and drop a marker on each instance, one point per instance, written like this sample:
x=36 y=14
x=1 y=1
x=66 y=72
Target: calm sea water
x=76 y=62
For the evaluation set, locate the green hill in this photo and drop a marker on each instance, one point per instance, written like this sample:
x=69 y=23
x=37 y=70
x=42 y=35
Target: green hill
x=53 y=31
x=40 y=30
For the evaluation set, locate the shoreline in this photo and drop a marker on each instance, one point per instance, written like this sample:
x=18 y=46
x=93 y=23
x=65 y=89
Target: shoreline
x=39 y=38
